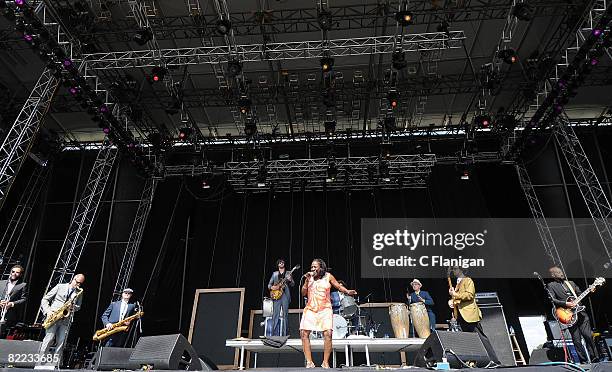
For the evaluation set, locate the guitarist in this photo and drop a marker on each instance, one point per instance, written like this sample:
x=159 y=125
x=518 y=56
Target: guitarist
x=560 y=289
x=282 y=304
x=116 y=312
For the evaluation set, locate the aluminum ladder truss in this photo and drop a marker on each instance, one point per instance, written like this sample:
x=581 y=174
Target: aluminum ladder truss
x=131 y=250
x=83 y=219
x=586 y=179
x=21 y=214
x=19 y=139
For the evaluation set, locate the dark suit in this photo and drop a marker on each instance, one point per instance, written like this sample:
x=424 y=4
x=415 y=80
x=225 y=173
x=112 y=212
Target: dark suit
x=17 y=296
x=112 y=314
x=429 y=303
x=559 y=292
x=282 y=304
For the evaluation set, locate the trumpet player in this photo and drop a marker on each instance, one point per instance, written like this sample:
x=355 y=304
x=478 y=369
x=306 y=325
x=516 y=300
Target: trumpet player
x=115 y=313
x=51 y=302
x=13 y=293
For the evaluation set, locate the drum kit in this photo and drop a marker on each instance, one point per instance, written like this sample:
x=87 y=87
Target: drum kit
x=348 y=320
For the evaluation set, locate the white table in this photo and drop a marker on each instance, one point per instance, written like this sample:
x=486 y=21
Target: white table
x=346 y=345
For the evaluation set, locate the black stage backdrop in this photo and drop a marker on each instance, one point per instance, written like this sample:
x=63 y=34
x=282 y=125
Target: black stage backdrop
x=233 y=240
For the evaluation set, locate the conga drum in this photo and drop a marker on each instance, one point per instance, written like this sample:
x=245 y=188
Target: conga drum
x=420 y=319
x=400 y=320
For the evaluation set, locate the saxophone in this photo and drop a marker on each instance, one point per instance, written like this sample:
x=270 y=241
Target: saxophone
x=63 y=312
x=120 y=326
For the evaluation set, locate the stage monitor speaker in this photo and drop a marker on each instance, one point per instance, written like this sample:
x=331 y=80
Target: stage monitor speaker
x=547 y=355
x=111 y=358
x=459 y=348
x=168 y=352
x=15 y=347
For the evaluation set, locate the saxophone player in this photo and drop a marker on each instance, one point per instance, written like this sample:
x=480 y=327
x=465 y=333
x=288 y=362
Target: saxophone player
x=115 y=313
x=13 y=294
x=51 y=302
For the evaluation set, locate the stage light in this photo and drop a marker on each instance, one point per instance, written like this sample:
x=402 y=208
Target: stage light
x=508 y=56
x=327 y=63
x=482 y=121
x=507 y=122
x=67 y=63
x=158 y=73
x=443 y=27
x=404 y=17
x=74 y=90
x=398 y=60
x=185 y=133
x=325 y=20
x=558 y=108
x=204 y=184
x=594 y=61
x=393 y=98
x=597 y=32
x=330 y=127
x=244 y=103
x=332 y=172
x=20 y=2
x=106 y=129
x=465 y=175
x=383 y=171
x=143 y=36
x=262 y=175
x=250 y=128
x=234 y=68
x=103 y=109
x=224 y=27
x=522 y=11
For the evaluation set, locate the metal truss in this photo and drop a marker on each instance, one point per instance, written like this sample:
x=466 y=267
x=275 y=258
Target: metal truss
x=19 y=138
x=19 y=218
x=83 y=218
x=587 y=181
x=354 y=173
x=276 y=51
x=131 y=250
x=538 y=215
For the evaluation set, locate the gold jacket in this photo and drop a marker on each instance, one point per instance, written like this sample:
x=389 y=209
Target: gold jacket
x=465 y=300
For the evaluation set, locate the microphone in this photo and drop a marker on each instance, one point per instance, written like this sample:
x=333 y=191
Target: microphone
x=535 y=273
x=310 y=273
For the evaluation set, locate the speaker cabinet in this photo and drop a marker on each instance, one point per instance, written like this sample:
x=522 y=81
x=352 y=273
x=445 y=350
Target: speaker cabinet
x=18 y=348
x=547 y=355
x=167 y=352
x=111 y=358
x=495 y=327
x=456 y=347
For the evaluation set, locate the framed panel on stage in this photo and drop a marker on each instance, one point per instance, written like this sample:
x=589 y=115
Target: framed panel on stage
x=216 y=317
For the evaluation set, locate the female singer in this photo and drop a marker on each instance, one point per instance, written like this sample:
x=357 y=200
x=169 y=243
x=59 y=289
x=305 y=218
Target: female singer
x=318 y=314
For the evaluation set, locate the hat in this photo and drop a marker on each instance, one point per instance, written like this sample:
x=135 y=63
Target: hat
x=416 y=281
x=128 y=290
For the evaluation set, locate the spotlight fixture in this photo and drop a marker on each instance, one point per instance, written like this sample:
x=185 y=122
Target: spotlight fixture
x=327 y=63
x=404 y=17
x=389 y=123
x=332 y=172
x=185 y=133
x=330 y=127
x=399 y=60
x=143 y=36
x=393 y=98
x=205 y=184
x=262 y=174
x=383 y=171
x=522 y=11
x=245 y=104
x=325 y=20
x=234 y=68
x=158 y=73
x=20 y=2
x=443 y=27
x=224 y=26
x=465 y=174
x=482 y=121
x=597 y=32
x=106 y=128
x=508 y=56
x=250 y=128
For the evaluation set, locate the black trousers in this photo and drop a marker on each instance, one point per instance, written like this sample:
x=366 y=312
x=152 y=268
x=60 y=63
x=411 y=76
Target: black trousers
x=582 y=330
x=476 y=327
x=6 y=327
x=116 y=340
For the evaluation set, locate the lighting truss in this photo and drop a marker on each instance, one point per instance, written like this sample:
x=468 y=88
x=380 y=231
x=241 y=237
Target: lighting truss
x=587 y=181
x=19 y=218
x=19 y=139
x=83 y=219
x=276 y=51
x=131 y=250
x=538 y=215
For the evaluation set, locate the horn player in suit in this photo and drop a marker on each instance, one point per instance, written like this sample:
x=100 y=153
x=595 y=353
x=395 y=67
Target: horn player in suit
x=13 y=294
x=116 y=312
x=463 y=295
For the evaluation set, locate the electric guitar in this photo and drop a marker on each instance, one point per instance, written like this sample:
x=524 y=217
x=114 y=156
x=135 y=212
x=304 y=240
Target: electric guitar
x=275 y=294
x=569 y=316
x=452 y=324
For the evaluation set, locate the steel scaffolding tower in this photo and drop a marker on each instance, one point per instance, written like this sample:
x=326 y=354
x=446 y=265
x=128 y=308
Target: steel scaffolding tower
x=14 y=230
x=538 y=215
x=83 y=219
x=131 y=250
x=18 y=141
x=587 y=181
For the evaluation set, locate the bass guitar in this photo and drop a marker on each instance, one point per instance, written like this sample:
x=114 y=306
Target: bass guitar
x=569 y=316
x=452 y=324
x=275 y=294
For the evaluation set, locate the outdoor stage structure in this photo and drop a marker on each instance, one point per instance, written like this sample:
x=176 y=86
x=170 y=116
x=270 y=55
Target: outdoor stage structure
x=544 y=111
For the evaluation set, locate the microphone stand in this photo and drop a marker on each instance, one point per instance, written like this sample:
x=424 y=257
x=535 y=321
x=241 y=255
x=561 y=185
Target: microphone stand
x=552 y=303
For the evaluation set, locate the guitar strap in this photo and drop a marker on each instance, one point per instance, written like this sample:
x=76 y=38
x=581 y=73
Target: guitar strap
x=571 y=288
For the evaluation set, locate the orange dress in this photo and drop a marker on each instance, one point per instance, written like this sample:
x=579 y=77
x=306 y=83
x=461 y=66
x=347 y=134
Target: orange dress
x=318 y=313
